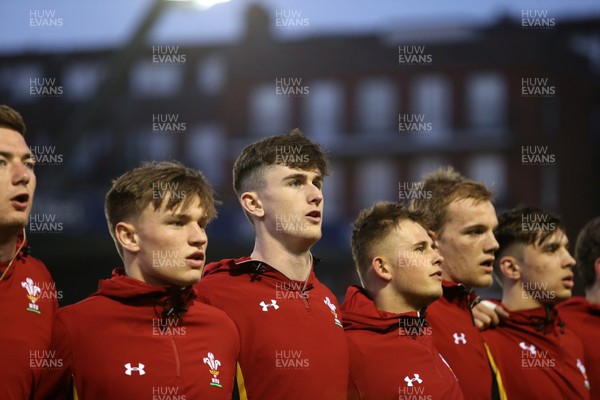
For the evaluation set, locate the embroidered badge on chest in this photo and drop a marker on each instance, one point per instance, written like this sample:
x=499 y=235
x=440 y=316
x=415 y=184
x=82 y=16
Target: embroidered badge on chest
x=333 y=309
x=213 y=368
x=33 y=294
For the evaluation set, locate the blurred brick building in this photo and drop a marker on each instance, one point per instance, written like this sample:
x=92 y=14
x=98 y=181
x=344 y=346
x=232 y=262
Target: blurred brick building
x=515 y=106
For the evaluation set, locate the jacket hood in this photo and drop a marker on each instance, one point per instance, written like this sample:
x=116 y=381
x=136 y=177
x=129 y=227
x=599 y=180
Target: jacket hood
x=459 y=294
x=256 y=270
x=120 y=287
x=543 y=319
x=579 y=302
x=359 y=313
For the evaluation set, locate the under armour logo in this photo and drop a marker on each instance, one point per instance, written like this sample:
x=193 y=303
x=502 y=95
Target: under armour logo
x=459 y=338
x=129 y=369
x=531 y=348
x=265 y=306
x=409 y=382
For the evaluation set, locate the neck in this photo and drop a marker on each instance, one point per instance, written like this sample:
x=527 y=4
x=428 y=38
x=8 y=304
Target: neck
x=295 y=264
x=448 y=278
x=386 y=299
x=593 y=294
x=515 y=298
x=8 y=245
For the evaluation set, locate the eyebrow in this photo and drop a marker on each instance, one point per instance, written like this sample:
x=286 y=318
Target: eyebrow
x=294 y=176
x=476 y=226
x=10 y=155
x=300 y=175
x=421 y=243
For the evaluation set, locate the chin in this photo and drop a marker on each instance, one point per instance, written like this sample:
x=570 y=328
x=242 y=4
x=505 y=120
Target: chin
x=483 y=282
x=19 y=222
x=563 y=295
x=312 y=236
x=190 y=278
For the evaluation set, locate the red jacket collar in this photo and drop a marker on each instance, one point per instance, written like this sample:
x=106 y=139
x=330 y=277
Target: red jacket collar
x=168 y=300
x=360 y=313
x=459 y=294
x=582 y=303
x=543 y=319
x=257 y=270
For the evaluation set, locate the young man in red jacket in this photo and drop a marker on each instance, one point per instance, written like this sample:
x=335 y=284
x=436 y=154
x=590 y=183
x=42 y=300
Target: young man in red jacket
x=144 y=334
x=292 y=341
x=27 y=292
x=582 y=314
x=533 y=353
x=392 y=355
x=462 y=218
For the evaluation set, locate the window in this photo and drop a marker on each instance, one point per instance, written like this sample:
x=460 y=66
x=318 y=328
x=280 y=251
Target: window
x=18 y=81
x=376 y=106
x=425 y=165
x=486 y=102
x=376 y=181
x=82 y=80
x=152 y=145
x=149 y=80
x=323 y=110
x=211 y=75
x=491 y=170
x=550 y=189
x=431 y=103
x=270 y=113
x=205 y=150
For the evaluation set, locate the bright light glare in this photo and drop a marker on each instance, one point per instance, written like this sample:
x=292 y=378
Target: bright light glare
x=205 y=4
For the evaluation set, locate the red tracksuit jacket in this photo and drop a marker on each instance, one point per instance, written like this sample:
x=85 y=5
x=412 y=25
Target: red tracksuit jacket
x=392 y=356
x=537 y=357
x=583 y=318
x=292 y=341
x=28 y=303
x=460 y=342
x=119 y=343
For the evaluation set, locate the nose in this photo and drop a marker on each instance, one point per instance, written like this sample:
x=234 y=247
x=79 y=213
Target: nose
x=197 y=236
x=437 y=257
x=315 y=195
x=491 y=244
x=569 y=260
x=20 y=173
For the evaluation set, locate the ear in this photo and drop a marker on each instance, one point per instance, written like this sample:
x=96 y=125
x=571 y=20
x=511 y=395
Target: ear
x=379 y=268
x=597 y=268
x=252 y=204
x=127 y=237
x=510 y=268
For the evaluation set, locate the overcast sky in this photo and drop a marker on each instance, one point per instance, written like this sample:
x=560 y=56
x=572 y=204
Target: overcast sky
x=91 y=24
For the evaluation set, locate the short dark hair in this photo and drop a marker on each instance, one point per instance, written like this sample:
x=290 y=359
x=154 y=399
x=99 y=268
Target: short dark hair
x=446 y=185
x=528 y=225
x=248 y=169
x=587 y=250
x=11 y=119
x=155 y=183
x=373 y=224
x=515 y=227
